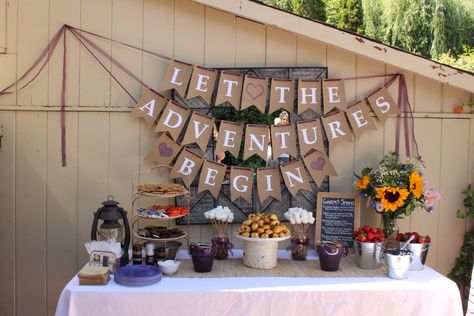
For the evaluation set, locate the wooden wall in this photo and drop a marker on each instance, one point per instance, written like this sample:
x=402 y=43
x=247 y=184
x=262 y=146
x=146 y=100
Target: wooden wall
x=46 y=210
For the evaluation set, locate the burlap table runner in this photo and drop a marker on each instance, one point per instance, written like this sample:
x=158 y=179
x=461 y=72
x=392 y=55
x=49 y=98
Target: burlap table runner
x=285 y=268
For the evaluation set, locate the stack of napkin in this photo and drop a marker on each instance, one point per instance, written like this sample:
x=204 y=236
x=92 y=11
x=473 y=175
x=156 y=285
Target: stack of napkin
x=93 y=275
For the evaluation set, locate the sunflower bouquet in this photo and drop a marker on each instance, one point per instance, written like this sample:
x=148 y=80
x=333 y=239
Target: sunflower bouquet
x=395 y=190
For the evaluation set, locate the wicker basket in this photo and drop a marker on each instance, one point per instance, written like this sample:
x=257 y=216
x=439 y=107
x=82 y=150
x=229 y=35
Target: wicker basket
x=261 y=253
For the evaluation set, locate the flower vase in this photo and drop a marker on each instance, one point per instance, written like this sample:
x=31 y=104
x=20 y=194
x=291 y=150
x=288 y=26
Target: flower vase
x=390 y=229
x=222 y=243
x=299 y=246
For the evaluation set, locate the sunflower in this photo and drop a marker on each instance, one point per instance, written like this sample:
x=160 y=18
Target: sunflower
x=416 y=184
x=391 y=198
x=363 y=183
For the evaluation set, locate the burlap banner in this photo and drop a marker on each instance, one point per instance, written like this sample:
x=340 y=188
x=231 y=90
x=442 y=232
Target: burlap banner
x=309 y=96
x=282 y=95
x=383 y=104
x=276 y=141
x=163 y=150
x=360 y=119
x=310 y=136
x=254 y=92
x=149 y=106
x=241 y=183
x=211 y=178
x=318 y=166
x=229 y=89
x=295 y=177
x=199 y=130
x=229 y=138
x=283 y=140
x=173 y=119
x=177 y=77
x=256 y=141
x=334 y=95
x=268 y=183
x=336 y=128
x=202 y=83
x=186 y=166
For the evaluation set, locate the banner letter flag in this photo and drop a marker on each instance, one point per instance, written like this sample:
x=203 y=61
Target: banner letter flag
x=211 y=178
x=282 y=95
x=295 y=177
x=163 y=150
x=268 y=183
x=254 y=93
x=149 y=106
x=199 y=130
x=229 y=138
x=360 y=119
x=383 y=105
x=336 y=128
x=177 y=77
x=186 y=166
x=256 y=141
x=318 y=166
x=241 y=183
x=202 y=83
x=173 y=119
x=229 y=89
x=309 y=95
x=334 y=95
x=283 y=140
x=310 y=136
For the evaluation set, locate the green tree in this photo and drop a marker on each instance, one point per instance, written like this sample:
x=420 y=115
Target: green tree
x=346 y=14
x=438 y=46
x=408 y=25
x=464 y=60
x=373 y=18
x=313 y=9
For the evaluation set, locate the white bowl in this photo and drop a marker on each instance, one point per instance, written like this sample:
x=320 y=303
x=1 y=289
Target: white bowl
x=169 y=267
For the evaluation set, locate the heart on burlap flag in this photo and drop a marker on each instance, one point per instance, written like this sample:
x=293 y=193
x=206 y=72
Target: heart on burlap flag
x=163 y=150
x=254 y=92
x=318 y=166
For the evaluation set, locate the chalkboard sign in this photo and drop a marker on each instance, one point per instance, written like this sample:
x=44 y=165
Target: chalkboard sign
x=337 y=216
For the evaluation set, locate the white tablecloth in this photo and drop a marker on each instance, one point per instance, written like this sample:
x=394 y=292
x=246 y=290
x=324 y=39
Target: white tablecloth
x=425 y=292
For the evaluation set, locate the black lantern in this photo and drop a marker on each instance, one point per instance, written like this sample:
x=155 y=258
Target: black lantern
x=111 y=227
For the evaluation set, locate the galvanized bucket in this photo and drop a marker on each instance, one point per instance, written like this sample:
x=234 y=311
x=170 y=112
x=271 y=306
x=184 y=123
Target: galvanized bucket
x=368 y=254
x=398 y=266
x=420 y=251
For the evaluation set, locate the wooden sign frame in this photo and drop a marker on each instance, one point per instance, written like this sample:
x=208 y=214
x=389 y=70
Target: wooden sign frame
x=322 y=195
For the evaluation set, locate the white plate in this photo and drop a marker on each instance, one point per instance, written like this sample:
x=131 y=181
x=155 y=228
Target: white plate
x=160 y=239
x=163 y=218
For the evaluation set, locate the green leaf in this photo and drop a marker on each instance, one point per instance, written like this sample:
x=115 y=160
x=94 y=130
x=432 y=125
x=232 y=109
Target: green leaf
x=460 y=214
